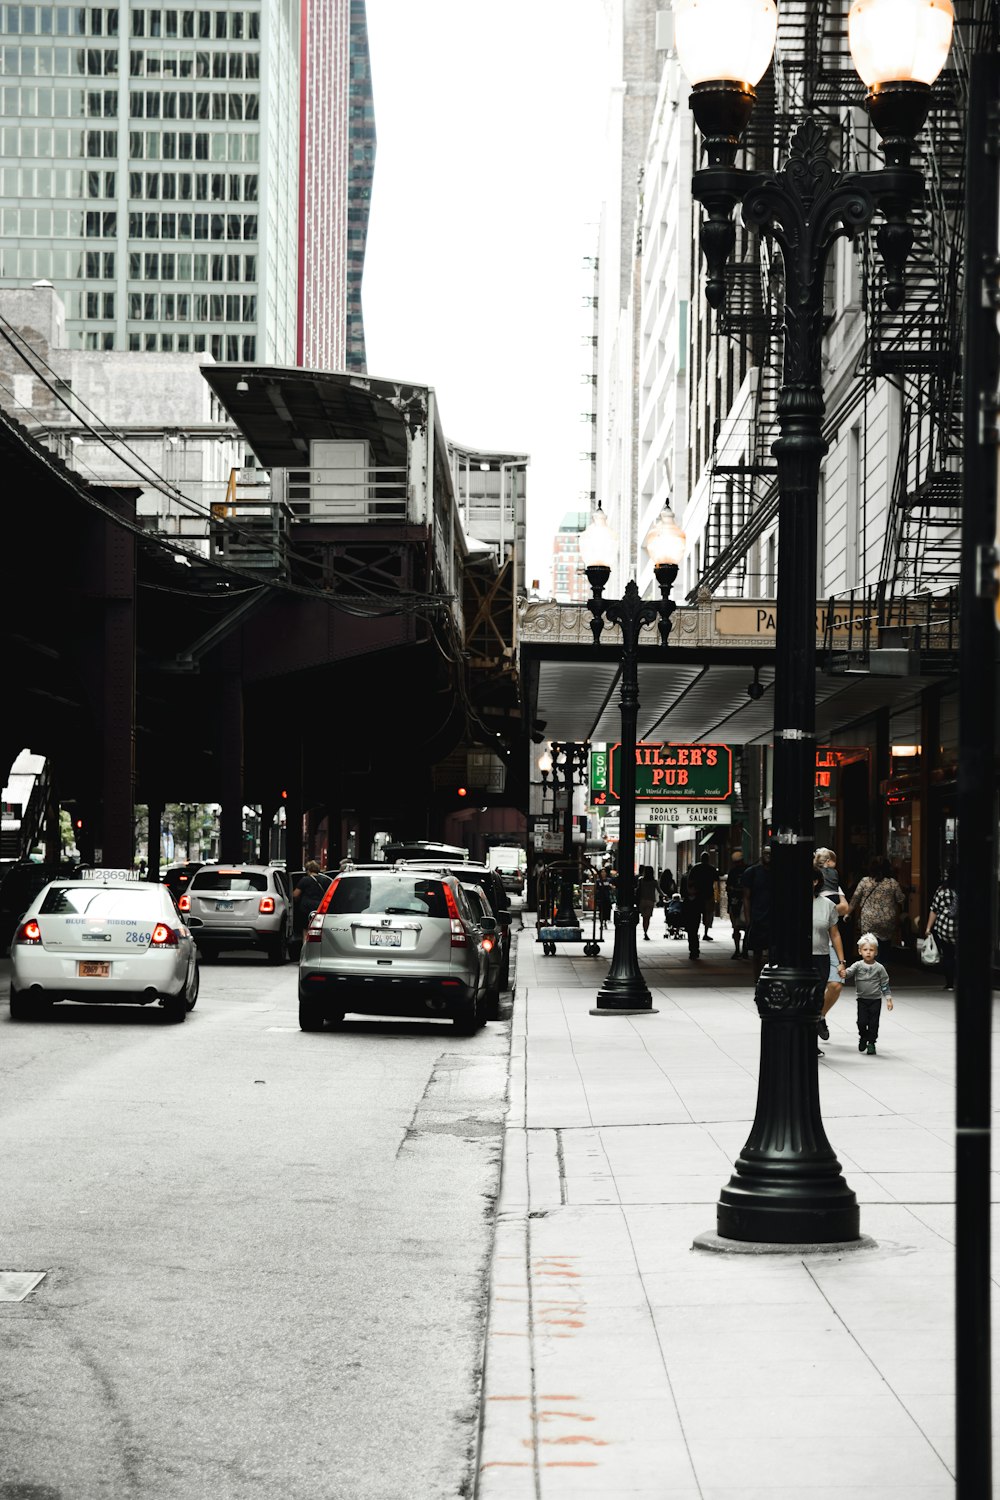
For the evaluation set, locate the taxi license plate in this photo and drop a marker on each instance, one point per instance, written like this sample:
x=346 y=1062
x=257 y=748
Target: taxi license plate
x=224 y=905
x=386 y=939
x=88 y=969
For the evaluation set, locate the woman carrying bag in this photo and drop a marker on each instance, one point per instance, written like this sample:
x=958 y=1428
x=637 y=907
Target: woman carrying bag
x=943 y=922
x=879 y=899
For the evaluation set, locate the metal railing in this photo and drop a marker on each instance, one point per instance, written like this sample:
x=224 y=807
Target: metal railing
x=348 y=495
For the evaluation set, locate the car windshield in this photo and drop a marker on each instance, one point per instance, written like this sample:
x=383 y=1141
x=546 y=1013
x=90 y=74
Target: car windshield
x=387 y=895
x=229 y=880
x=100 y=903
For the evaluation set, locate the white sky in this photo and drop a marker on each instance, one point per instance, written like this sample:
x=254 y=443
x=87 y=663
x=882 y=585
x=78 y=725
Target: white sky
x=490 y=121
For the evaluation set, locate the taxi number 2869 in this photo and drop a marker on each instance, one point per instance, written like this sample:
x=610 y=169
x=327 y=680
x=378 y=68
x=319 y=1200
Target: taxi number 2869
x=138 y=937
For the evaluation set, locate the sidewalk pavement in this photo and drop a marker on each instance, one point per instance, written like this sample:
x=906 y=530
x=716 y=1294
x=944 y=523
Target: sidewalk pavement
x=622 y=1362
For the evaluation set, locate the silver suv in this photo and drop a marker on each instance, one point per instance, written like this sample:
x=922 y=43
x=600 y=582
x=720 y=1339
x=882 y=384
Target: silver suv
x=239 y=906
x=391 y=941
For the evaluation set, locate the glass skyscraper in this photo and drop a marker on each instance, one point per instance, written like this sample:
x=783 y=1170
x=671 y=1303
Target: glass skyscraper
x=150 y=172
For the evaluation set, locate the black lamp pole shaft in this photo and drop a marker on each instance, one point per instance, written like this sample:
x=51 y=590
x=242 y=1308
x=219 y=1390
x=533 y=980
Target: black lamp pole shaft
x=977 y=832
x=565 y=915
x=787 y=1187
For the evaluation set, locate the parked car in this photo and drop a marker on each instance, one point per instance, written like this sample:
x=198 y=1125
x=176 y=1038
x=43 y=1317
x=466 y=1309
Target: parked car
x=491 y=940
x=391 y=940
x=485 y=876
x=20 y=885
x=177 y=878
x=239 y=906
x=512 y=864
x=102 y=940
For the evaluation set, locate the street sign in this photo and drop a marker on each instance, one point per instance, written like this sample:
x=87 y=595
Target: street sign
x=599 y=775
x=682 y=773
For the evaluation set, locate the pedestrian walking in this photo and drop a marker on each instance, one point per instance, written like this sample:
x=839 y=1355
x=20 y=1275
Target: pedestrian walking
x=646 y=896
x=691 y=912
x=602 y=897
x=825 y=861
x=871 y=982
x=878 y=899
x=307 y=895
x=757 y=909
x=735 y=904
x=825 y=938
x=942 y=920
x=706 y=881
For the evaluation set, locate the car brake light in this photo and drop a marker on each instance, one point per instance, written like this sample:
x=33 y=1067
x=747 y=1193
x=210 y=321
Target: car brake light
x=184 y=904
x=266 y=904
x=488 y=945
x=29 y=932
x=325 y=902
x=314 y=931
x=459 y=936
x=163 y=936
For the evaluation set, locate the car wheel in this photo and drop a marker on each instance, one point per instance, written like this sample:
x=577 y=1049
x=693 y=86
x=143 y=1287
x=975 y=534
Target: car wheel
x=175 y=1008
x=335 y=1018
x=470 y=1021
x=21 y=1009
x=205 y=953
x=311 y=1016
x=191 y=994
x=277 y=948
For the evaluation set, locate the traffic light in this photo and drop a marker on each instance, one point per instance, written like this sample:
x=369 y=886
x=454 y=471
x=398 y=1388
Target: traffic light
x=461 y=791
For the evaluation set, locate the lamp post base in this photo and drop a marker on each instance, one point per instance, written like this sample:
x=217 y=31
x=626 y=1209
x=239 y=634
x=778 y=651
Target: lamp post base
x=624 y=991
x=622 y=1010
x=787 y=1187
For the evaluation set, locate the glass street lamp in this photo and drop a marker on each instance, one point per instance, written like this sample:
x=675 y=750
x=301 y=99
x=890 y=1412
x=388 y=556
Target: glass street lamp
x=787 y=1186
x=624 y=991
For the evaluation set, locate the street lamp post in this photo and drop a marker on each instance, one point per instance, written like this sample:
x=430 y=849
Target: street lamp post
x=569 y=757
x=624 y=991
x=787 y=1186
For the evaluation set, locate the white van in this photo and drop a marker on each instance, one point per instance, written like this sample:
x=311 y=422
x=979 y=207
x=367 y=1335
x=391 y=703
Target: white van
x=512 y=863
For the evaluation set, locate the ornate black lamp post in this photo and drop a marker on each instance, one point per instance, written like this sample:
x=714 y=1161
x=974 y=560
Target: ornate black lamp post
x=625 y=992
x=569 y=762
x=787 y=1186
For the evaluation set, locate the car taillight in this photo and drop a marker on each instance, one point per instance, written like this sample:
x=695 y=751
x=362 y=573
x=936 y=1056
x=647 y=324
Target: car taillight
x=266 y=905
x=184 y=904
x=459 y=936
x=325 y=902
x=163 y=936
x=488 y=945
x=314 y=931
x=29 y=932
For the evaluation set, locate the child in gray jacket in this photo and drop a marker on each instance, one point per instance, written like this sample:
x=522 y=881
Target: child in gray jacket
x=871 y=982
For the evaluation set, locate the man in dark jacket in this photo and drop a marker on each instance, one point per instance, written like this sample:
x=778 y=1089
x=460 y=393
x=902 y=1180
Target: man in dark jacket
x=691 y=911
x=307 y=895
x=706 y=882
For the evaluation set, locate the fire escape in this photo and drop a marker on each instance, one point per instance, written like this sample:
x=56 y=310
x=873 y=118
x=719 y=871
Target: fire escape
x=918 y=348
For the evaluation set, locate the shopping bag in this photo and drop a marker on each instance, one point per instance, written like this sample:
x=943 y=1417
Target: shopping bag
x=930 y=953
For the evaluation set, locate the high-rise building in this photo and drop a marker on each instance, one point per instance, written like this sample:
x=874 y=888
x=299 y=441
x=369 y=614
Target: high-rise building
x=569 y=581
x=337 y=158
x=152 y=171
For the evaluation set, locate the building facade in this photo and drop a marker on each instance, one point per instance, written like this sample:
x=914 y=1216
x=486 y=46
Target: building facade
x=152 y=173
x=706 y=393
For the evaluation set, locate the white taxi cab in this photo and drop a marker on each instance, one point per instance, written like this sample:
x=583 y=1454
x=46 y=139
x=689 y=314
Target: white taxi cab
x=102 y=936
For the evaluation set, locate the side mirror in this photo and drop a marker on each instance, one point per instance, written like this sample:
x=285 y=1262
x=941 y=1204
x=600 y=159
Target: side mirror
x=488 y=924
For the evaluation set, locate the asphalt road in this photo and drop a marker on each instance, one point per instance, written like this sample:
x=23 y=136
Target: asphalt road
x=265 y=1251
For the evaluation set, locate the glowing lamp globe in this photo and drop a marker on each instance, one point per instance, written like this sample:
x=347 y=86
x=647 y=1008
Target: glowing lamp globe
x=899 y=41
x=725 y=39
x=598 y=546
x=665 y=540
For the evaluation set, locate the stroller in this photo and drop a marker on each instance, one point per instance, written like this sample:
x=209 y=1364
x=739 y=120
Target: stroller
x=674 y=917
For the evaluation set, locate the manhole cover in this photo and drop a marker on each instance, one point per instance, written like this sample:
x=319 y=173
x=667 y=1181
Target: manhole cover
x=15 y=1285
